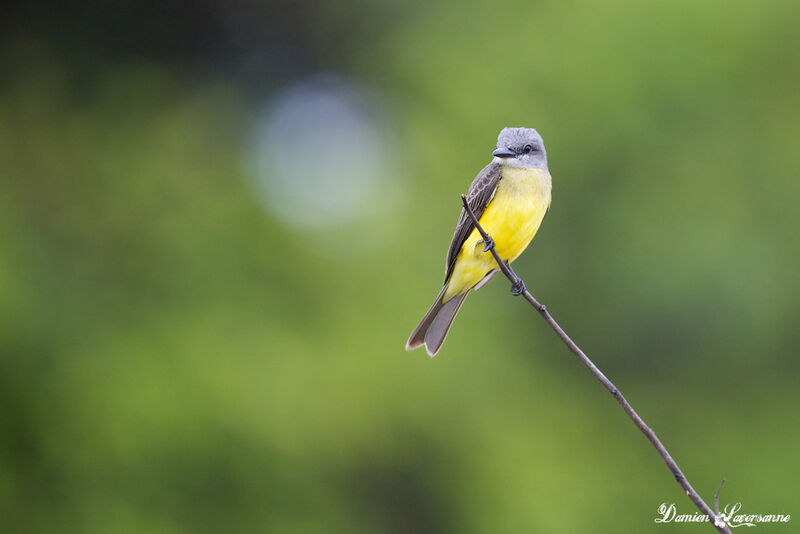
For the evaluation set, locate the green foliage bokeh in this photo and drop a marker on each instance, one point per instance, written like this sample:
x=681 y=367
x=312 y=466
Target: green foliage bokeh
x=175 y=359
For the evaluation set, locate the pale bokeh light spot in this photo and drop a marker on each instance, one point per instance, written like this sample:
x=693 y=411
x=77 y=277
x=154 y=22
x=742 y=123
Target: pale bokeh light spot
x=322 y=154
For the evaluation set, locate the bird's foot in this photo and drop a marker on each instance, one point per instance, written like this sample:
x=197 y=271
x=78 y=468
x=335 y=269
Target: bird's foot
x=518 y=287
x=488 y=244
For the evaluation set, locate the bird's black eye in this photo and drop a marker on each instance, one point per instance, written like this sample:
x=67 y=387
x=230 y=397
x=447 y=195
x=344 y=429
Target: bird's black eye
x=527 y=149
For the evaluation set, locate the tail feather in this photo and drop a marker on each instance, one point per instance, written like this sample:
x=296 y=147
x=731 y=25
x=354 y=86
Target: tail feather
x=433 y=328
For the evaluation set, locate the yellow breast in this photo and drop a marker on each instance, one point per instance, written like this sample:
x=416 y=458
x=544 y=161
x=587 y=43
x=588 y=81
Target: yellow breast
x=512 y=218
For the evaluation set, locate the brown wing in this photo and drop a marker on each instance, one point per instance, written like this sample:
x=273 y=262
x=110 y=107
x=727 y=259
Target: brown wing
x=480 y=193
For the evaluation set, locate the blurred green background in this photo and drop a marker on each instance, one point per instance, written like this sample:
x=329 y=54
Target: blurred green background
x=219 y=222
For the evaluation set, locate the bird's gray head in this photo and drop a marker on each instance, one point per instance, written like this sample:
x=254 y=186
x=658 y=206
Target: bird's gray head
x=521 y=147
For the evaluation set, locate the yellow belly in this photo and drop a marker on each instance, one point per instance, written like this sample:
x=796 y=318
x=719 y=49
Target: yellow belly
x=512 y=219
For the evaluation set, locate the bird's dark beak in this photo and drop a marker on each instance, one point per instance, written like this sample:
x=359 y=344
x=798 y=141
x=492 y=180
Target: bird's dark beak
x=503 y=153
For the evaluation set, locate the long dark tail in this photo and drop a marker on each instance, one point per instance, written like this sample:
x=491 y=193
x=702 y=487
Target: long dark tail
x=433 y=328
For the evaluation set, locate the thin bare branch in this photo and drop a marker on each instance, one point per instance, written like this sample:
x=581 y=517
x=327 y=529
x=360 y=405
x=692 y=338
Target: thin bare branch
x=716 y=497
x=517 y=282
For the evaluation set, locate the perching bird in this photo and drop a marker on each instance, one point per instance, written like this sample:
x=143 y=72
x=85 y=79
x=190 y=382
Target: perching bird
x=510 y=197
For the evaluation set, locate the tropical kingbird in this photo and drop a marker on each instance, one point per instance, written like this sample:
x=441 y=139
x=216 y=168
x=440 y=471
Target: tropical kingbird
x=510 y=197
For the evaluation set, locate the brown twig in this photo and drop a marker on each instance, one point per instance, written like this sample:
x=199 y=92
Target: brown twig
x=517 y=282
x=716 y=497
